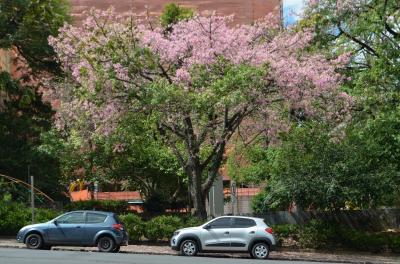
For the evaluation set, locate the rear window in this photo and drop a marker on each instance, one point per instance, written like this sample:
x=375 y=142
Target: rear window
x=93 y=218
x=243 y=222
x=117 y=220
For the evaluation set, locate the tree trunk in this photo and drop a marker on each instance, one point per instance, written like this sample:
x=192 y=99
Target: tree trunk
x=198 y=197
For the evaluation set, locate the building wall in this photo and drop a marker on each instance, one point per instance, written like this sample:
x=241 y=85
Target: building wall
x=245 y=11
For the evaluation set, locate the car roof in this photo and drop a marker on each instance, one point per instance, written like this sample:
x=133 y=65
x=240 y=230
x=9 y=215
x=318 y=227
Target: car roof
x=91 y=211
x=239 y=216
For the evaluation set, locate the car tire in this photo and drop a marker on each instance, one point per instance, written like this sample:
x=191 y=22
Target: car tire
x=34 y=241
x=189 y=248
x=106 y=244
x=116 y=249
x=260 y=251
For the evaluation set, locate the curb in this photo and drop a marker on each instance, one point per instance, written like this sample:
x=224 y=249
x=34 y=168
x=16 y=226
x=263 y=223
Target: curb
x=201 y=255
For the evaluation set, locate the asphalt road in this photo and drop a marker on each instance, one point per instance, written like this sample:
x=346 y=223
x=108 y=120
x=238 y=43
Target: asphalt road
x=26 y=256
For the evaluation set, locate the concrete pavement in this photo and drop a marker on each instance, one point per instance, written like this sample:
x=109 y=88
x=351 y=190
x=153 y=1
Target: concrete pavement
x=281 y=255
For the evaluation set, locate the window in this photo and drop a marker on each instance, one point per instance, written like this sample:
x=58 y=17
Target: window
x=243 y=222
x=93 y=218
x=72 y=218
x=224 y=222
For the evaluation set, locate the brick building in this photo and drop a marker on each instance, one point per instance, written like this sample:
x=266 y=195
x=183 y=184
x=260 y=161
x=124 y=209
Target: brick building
x=245 y=11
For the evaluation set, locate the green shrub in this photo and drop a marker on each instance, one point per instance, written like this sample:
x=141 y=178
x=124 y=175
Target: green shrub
x=162 y=227
x=373 y=242
x=13 y=216
x=394 y=244
x=134 y=226
x=118 y=207
x=43 y=215
x=318 y=234
x=190 y=221
x=287 y=231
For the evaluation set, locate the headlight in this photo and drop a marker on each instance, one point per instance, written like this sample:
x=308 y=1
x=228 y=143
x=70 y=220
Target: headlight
x=176 y=233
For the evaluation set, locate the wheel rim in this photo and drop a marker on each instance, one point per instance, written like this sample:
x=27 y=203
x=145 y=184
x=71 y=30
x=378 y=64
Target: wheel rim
x=189 y=248
x=33 y=241
x=105 y=244
x=261 y=251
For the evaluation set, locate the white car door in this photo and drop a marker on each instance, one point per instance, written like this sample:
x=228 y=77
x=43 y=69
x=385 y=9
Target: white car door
x=216 y=234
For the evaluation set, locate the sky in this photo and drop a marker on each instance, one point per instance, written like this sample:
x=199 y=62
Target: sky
x=291 y=10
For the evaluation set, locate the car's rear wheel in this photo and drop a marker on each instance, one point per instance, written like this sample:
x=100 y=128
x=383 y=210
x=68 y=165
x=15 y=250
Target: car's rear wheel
x=189 y=248
x=116 y=249
x=260 y=251
x=34 y=241
x=106 y=244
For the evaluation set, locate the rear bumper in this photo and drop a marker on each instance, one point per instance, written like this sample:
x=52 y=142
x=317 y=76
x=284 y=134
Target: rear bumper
x=123 y=239
x=272 y=247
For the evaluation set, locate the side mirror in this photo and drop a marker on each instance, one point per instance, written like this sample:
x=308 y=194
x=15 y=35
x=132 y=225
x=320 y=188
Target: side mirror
x=55 y=222
x=207 y=227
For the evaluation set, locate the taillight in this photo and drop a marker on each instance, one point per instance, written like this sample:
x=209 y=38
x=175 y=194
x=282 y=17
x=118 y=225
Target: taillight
x=269 y=230
x=119 y=227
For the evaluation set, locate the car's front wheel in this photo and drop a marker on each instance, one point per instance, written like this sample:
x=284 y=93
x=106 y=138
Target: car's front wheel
x=106 y=244
x=260 y=251
x=34 y=241
x=189 y=248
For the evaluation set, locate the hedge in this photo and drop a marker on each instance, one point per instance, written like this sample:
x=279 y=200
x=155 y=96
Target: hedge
x=118 y=207
x=317 y=234
x=13 y=216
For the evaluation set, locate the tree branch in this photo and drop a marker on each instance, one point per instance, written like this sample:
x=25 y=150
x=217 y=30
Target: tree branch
x=362 y=44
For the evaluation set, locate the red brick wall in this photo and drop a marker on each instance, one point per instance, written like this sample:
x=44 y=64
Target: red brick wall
x=245 y=10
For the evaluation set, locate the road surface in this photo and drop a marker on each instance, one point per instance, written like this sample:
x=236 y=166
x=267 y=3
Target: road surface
x=26 y=256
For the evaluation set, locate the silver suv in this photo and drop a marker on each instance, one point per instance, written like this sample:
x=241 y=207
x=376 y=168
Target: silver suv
x=226 y=234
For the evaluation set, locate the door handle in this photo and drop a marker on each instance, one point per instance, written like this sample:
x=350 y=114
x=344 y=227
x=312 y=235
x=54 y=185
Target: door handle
x=252 y=232
x=226 y=233
x=78 y=227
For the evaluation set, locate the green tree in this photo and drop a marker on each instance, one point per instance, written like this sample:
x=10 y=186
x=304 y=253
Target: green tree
x=26 y=25
x=317 y=171
x=173 y=13
x=23 y=118
x=362 y=166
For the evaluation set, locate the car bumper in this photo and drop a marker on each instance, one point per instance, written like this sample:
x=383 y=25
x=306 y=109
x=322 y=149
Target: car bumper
x=20 y=237
x=122 y=239
x=174 y=243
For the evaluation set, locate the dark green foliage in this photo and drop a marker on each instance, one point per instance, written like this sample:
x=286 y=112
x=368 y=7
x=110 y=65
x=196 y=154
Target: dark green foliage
x=134 y=225
x=283 y=232
x=13 y=216
x=155 y=204
x=319 y=234
x=320 y=171
x=173 y=13
x=162 y=227
x=26 y=25
x=117 y=207
x=23 y=119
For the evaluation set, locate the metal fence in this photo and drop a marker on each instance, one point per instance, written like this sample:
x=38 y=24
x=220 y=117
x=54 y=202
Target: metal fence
x=365 y=219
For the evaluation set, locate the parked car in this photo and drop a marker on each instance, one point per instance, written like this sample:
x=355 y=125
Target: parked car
x=77 y=228
x=226 y=234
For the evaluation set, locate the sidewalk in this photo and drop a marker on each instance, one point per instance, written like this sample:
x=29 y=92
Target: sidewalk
x=344 y=257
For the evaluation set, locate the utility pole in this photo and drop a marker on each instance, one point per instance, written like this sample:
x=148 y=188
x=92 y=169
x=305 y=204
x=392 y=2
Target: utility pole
x=32 y=199
x=233 y=196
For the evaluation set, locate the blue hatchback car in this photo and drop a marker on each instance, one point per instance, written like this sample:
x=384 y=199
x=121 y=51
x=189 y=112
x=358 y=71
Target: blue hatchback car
x=77 y=228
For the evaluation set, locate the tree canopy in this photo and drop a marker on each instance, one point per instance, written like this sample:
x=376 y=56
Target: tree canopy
x=201 y=79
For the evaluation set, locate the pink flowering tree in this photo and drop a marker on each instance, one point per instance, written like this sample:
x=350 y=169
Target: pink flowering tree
x=200 y=80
